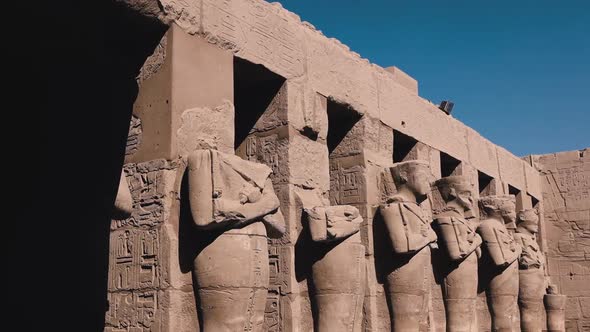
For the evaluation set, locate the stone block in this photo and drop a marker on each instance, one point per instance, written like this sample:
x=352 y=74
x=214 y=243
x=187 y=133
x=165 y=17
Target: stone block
x=403 y=79
x=511 y=169
x=482 y=153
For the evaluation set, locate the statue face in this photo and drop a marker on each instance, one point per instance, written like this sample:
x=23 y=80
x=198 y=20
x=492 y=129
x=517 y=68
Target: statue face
x=531 y=224
x=464 y=196
x=419 y=181
x=509 y=212
x=532 y=227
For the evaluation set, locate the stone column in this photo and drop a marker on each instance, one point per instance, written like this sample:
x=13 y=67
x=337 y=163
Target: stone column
x=290 y=137
x=555 y=305
x=185 y=102
x=338 y=268
x=499 y=263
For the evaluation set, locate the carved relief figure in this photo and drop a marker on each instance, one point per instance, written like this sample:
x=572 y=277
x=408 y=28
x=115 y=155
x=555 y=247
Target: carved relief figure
x=408 y=284
x=532 y=280
x=500 y=260
x=339 y=274
x=234 y=200
x=460 y=243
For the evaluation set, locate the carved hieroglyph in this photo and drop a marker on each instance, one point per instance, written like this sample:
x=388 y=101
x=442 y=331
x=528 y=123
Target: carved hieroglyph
x=532 y=283
x=234 y=198
x=500 y=260
x=408 y=284
x=460 y=242
x=339 y=274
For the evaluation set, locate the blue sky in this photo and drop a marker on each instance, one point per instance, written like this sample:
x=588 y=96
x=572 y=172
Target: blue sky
x=518 y=71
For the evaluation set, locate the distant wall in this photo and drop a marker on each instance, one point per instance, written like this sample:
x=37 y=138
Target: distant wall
x=565 y=182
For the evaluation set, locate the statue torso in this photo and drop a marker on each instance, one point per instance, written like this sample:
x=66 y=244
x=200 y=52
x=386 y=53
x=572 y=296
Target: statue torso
x=531 y=257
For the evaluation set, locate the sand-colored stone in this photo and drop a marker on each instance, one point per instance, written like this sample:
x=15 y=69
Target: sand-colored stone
x=231 y=269
x=532 y=276
x=499 y=261
x=555 y=305
x=403 y=79
x=410 y=234
x=565 y=183
x=187 y=103
x=338 y=273
x=460 y=243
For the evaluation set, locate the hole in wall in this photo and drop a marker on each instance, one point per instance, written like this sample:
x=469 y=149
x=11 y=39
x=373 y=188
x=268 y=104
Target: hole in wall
x=448 y=164
x=402 y=146
x=513 y=190
x=484 y=181
x=341 y=119
x=255 y=86
x=535 y=203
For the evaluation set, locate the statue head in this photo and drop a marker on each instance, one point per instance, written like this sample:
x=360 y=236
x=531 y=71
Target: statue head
x=414 y=175
x=458 y=189
x=527 y=221
x=501 y=207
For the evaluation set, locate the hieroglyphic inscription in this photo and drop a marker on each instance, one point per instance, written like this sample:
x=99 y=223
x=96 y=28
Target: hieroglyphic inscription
x=147 y=183
x=276 y=317
x=272 y=311
x=347 y=181
x=566 y=202
x=134 y=136
x=261 y=33
x=132 y=311
x=268 y=148
x=134 y=259
x=135 y=250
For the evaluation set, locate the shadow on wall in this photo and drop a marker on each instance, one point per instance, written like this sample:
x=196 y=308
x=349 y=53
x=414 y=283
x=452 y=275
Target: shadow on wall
x=92 y=86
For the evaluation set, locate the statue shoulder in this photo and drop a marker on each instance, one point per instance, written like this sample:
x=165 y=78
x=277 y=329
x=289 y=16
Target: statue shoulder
x=486 y=229
x=392 y=208
x=443 y=220
x=519 y=238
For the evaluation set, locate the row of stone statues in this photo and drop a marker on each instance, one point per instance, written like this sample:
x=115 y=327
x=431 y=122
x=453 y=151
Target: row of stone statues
x=501 y=248
x=234 y=201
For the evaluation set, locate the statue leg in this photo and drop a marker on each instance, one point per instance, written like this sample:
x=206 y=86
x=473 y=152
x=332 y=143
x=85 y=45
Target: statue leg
x=530 y=300
x=460 y=296
x=338 y=280
x=408 y=289
x=502 y=297
x=231 y=275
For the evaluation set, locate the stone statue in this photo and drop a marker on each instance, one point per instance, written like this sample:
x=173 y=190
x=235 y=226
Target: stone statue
x=459 y=240
x=532 y=280
x=555 y=306
x=124 y=202
x=500 y=259
x=235 y=200
x=339 y=275
x=408 y=285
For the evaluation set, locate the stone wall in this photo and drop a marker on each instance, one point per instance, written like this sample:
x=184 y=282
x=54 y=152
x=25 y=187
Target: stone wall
x=565 y=183
x=248 y=77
